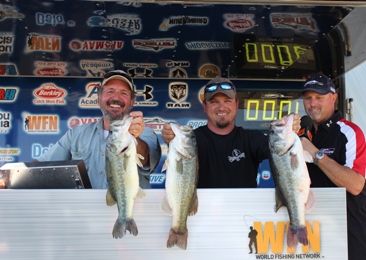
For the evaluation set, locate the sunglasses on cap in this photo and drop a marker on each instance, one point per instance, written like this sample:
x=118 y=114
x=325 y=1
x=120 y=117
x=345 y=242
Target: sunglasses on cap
x=118 y=73
x=213 y=86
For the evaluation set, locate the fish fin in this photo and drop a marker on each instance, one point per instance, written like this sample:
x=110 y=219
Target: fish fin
x=140 y=193
x=296 y=235
x=307 y=156
x=178 y=238
x=194 y=204
x=165 y=166
x=310 y=204
x=165 y=207
x=138 y=161
x=279 y=202
x=109 y=198
x=121 y=225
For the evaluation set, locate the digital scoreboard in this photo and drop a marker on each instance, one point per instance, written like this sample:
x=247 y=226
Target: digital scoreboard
x=258 y=108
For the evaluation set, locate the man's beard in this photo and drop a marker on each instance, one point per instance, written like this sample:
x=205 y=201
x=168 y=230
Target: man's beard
x=222 y=124
x=112 y=117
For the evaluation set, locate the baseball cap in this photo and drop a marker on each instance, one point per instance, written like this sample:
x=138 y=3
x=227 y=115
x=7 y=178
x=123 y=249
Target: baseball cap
x=118 y=74
x=320 y=84
x=219 y=85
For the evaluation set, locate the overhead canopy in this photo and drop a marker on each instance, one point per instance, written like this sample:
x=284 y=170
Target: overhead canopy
x=188 y=39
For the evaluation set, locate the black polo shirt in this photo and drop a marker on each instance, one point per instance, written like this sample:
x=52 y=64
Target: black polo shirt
x=344 y=142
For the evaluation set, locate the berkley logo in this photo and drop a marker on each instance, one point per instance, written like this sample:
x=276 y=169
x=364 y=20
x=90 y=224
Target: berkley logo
x=50 y=91
x=49 y=72
x=239 y=25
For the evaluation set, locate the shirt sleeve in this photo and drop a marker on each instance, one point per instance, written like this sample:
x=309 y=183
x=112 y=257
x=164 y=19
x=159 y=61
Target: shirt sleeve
x=60 y=151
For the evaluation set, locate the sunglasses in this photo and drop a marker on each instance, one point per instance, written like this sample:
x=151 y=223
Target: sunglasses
x=119 y=73
x=225 y=86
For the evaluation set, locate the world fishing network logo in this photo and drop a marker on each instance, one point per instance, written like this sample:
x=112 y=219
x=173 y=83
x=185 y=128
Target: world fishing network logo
x=267 y=240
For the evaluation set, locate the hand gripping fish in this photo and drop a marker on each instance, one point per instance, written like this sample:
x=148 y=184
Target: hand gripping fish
x=287 y=160
x=122 y=175
x=181 y=168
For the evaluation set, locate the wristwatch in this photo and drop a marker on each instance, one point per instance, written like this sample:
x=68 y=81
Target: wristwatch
x=318 y=155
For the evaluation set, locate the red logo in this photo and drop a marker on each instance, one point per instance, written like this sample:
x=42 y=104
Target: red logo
x=49 y=91
x=239 y=25
x=47 y=72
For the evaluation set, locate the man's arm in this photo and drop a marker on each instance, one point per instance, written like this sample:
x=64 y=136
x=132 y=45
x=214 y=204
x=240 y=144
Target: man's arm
x=340 y=175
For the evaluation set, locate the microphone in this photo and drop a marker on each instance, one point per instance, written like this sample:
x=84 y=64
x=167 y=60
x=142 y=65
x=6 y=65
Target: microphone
x=305 y=127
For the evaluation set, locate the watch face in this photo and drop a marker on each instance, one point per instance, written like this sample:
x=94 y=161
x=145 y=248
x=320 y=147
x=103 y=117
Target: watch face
x=319 y=154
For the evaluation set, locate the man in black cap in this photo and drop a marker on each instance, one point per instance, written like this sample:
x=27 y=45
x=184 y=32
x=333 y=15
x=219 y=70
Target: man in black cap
x=88 y=142
x=338 y=148
x=229 y=156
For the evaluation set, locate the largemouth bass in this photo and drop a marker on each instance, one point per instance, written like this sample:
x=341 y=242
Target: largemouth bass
x=122 y=175
x=291 y=176
x=181 y=168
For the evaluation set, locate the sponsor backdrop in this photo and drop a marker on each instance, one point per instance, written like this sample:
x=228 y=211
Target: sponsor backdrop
x=53 y=55
x=36 y=112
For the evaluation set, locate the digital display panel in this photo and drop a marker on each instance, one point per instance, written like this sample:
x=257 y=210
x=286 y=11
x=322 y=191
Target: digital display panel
x=258 y=109
x=291 y=57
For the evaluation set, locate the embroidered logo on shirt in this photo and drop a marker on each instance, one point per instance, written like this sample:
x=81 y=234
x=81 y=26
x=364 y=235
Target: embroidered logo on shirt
x=328 y=151
x=236 y=155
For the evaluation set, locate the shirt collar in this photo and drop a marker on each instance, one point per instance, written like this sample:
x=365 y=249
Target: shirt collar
x=331 y=122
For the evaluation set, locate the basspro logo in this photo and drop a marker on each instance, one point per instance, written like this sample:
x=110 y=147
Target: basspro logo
x=267 y=240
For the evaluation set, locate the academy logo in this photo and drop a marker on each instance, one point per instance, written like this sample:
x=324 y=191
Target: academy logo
x=77 y=45
x=239 y=23
x=95 y=68
x=178 y=91
x=5 y=122
x=295 y=21
x=46 y=43
x=49 y=94
x=8 y=95
x=90 y=100
x=154 y=44
x=41 y=124
x=6 y=43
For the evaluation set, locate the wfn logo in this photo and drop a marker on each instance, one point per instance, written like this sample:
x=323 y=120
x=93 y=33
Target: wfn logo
x=273 y=237
x=41 y=123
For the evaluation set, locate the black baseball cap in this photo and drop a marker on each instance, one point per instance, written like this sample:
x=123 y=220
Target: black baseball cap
x=320 y=84
x=118 y=74
x=219 y=85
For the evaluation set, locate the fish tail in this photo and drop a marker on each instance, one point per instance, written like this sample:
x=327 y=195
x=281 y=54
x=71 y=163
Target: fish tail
x=178 y=238
x=296 y=235
x=121 y=225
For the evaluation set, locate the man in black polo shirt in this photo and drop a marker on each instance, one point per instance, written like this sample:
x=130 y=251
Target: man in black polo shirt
x=339 y=151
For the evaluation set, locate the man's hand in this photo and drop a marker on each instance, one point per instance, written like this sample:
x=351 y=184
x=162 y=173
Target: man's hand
x=296 y=124
x=2 y=184
x=167 y=133
x=137 y=125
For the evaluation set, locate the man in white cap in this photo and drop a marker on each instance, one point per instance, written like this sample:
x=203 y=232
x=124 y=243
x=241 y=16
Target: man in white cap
x=88 y=142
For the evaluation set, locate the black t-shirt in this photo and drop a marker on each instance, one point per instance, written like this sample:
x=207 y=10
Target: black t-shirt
x=232 y=160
